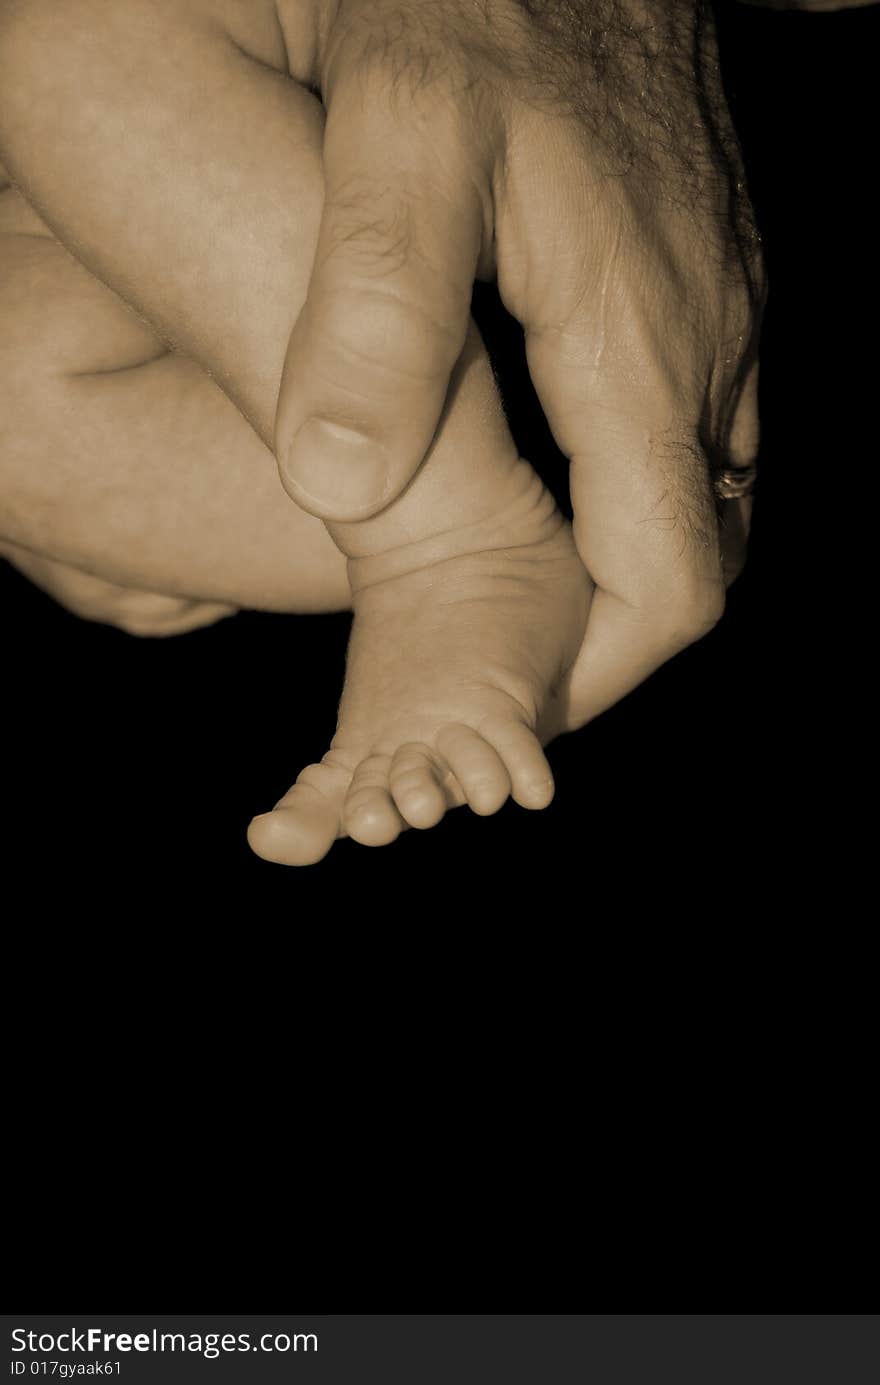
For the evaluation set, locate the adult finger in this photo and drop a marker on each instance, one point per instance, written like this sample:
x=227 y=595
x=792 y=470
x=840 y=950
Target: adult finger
x=623 y=372
x=385 y=320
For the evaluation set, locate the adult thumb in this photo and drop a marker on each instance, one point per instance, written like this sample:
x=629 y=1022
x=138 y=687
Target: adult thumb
x=386 y=316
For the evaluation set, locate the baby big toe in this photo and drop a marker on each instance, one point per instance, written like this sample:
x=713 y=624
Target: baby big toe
x=303 y=826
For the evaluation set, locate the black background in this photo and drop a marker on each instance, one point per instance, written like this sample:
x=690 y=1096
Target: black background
x=673 y=954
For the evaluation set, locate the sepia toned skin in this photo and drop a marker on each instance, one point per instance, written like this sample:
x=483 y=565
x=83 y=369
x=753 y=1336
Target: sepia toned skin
x=612 y=251
x=582 y=151
x=470 y=601
x=144 y=477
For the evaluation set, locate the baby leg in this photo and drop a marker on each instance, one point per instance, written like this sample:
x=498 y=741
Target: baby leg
x=133 y=491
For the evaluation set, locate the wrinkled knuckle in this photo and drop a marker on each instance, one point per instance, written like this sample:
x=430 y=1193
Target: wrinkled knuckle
x=388 y=333
x=371 y=225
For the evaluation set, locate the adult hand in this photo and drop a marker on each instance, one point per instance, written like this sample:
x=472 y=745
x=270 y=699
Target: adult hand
x=582 y=151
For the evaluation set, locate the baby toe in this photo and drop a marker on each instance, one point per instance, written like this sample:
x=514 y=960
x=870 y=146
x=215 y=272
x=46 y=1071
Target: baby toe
x=530 y=774
x=477 y=766
x=305 y=823
x=369 y=813
x=416 y=782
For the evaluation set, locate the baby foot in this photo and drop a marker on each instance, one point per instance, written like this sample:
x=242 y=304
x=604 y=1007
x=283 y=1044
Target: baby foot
x=455 y=674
